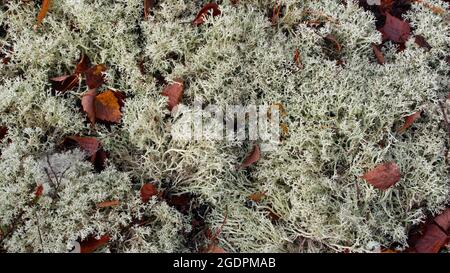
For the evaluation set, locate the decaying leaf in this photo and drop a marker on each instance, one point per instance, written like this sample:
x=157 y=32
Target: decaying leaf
x=95 y=76
x=42 y=12
x=175 y=93
x=409 y=120
x=92 y=244
x=422 y=42
x=395 y=30
x=107 y=107
x=107 y=204
x=378 y=54
x=200 y=18
x=147 y=191
x=383 y=176
x=251 y=158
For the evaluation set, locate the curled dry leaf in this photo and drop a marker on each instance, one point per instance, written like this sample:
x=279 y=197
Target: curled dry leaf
x=395 y=29
x=251 y=158
x=200 y=18
x=175 y=93
x=378 y=54
x=383 y=176
x=95 y=76
x=42 y=12
x=107 y=204
x=331 y=39
x=92 y=244
x=409 y=120
x=147 y=191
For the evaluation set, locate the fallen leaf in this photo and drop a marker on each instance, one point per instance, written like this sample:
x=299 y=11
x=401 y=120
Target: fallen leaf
x=383 y=176
x=175 y=93
x=107 y=107
x=148 y=5
x=3 y=132
x=90 y=145
x=257 y=196
x=443 y=220
x=275 y=13
x=378 y=54
x=107 y=204
x=431 y=240
x=409 y=120
x=200 y=18
x=64 y=83
x=91 y=244
x=181 y=202
x=83 y=64
x=95 y=76
x=395 y=29
x=39 y=190
x=422 y=42
x=212 y=248
x=88 y=104
x=331 y=39
x=42 y=12
x=251 y=158
x=147 y=191
x=387 y=250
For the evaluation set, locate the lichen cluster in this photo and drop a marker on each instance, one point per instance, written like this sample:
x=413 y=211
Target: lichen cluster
x=342 y=120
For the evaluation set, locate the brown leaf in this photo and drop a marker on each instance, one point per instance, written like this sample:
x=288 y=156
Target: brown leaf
x=91 y=244
x=378 y=54
x=107 y=107
x=275 y=13
x=422 y=42
x=90 y=145
x=257 y=196
x=330 y=38
x=42 y=12
x=383 y=176
x=175 y=93
x=395 y=29
x=39 y=190
x=431 y=240
x=200 y=18
x=107 y=204
x=443 y=219
x=409 y=120
x=95 y=76
x=212 y=248
x=147 y=191
x=88 y=104
x=3 y=132
x=252 y=157
x=83 y=64
x=148 y=5
x=181 y=202
x=64 y=83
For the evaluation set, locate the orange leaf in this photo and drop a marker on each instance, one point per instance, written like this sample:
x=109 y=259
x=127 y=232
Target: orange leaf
x=91 y=244
x=200 y=18
x=107 y=204
x=257 y=196
x=107 y=107
x=88 y=104
x=95 y=76
x=409 y=120
x=251 y=158
x=147 y=191
x=88 y=144
x=43 y=11
x=383 y=176
x=378 y=54
x=175 y=93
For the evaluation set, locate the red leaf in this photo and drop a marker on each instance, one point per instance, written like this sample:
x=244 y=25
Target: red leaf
x=431 y=240
x=147 y=191
x=64 y=83
x=420 y=40
x=251 y=158
x=95 y=76
x=275 y=13
x=88 y=104
x=88 y=144
x=395 y=29
x=409 y=120
x=39 y=190
x=91 y=244
x=378 y=54
x=148 y=4
x=83 y=64
x=443 y=219
x=107 y=204
x=42 y=12
x=200 y=18
x=3 y=132
x=175 y=93
x=383 y=176
x=107 y=107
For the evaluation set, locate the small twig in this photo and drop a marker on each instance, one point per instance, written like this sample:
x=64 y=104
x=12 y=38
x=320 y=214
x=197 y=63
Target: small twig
x=39 y=232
